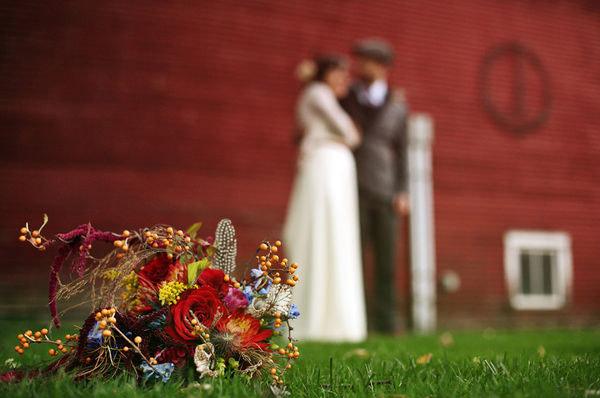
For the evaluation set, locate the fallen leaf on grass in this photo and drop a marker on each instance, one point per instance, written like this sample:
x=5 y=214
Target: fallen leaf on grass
x=541 y=351
x=424 y=359
x=446 y=339
x=357 y=353
x=194 y=387
x=279 y=391
x=489 y=333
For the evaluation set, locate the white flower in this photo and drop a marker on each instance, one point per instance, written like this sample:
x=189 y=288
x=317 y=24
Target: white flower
x=279 y=299
x=204 y=360
x=11 y=363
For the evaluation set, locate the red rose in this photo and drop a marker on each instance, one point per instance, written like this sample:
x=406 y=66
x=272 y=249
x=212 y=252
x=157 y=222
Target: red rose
x=204 y=303
x=214 y=278
x=156 y=270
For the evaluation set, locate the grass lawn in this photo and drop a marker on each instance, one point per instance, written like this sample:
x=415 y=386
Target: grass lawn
x=475 y=364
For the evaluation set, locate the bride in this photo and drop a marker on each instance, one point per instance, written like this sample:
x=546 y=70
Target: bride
x=322 y=227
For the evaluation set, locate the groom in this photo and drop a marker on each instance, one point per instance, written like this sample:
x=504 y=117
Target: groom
x=381 y=168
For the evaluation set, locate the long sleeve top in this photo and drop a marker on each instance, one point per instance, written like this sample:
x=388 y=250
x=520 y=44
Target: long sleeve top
x=323 y=120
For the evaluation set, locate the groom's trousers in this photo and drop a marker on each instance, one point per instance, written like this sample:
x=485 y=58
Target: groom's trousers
x=378 y=226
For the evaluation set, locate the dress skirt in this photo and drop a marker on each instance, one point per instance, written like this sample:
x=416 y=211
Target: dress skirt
x=322 y=235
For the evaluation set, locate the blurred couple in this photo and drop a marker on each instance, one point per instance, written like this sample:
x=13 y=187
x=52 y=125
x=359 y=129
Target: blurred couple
x=349 y=189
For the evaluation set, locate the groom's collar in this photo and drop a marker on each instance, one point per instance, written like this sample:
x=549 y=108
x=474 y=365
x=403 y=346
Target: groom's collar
x=375 y=94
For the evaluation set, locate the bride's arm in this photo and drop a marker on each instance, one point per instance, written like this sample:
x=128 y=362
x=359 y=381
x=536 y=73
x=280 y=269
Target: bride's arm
x=324 y=102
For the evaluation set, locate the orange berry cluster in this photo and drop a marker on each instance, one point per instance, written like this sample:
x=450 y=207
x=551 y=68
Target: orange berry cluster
x=276 y=378
x=137 y=341
x=291 y=352
x=34 y=237
x=175 y=242
x=271 y=264
x=122 y=243
x=278 y=321
x=200 y=329
x=106 y=320
x=41 y=336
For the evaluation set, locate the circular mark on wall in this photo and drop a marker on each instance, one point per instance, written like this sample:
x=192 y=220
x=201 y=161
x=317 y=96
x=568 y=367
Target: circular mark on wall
x=515 y=88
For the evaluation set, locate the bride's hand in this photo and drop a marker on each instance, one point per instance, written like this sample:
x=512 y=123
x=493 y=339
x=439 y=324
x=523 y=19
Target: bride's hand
x=401 y=204
x=356 y=139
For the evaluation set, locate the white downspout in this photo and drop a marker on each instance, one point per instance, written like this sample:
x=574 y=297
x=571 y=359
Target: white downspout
x=422 y=237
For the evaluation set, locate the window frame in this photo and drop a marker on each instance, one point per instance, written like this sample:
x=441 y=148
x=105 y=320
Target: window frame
x=517 y=241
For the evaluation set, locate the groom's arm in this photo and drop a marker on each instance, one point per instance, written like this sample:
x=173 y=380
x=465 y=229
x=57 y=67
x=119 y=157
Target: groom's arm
x=401 y=204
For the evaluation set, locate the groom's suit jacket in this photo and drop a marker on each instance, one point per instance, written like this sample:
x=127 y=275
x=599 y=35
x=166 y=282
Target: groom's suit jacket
x=381 y=157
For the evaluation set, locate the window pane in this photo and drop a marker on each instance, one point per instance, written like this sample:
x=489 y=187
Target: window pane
x=525 y=274
x=547 y=273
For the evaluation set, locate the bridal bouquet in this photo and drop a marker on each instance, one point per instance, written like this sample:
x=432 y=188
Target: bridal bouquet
x=164 y=299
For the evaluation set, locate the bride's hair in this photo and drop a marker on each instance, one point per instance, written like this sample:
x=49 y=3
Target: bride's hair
x=317 y=68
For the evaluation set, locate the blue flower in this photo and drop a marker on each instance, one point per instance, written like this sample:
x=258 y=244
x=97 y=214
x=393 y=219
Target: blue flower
x=94 y=337
x=294 y=312
x=264 y=290
x=161 y=371
x=248 y=293
x=256 y=273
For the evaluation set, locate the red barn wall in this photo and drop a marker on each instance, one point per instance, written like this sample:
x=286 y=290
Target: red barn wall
x=132 y=113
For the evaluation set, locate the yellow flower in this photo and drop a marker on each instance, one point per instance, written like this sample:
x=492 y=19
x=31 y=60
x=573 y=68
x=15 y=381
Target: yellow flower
x=130 y=289
x=110 y=274
x=169 y=292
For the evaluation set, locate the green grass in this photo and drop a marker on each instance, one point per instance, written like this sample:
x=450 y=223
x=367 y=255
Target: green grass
x=478 y=364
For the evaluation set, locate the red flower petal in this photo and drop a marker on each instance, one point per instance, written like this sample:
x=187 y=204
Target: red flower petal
x=246 y=331
x=204 y=303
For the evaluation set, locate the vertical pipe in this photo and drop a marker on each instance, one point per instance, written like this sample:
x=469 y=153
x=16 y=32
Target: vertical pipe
x=422 y=237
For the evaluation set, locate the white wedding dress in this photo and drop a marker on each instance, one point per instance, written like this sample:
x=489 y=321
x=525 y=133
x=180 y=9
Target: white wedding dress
x=322 y=227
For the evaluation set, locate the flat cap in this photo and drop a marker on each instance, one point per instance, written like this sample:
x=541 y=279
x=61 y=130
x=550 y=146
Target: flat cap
x=376 y=49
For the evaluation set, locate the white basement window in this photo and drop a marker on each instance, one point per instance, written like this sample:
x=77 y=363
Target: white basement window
x=538 y=269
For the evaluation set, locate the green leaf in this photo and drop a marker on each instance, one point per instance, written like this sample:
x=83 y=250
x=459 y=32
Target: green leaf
x=195 y=268
x=192 y=231
x=186 y=258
